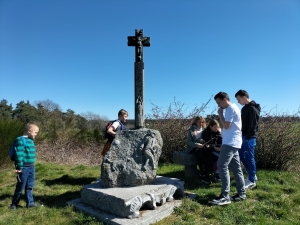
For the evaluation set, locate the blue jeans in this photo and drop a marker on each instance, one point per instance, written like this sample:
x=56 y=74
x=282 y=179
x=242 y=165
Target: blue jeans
x=247 y=157
x=229 y=160
x=25 y=181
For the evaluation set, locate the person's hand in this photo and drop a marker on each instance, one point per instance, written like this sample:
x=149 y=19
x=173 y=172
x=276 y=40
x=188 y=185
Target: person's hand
x=200 y=145
x=18 y=171
x=220 y=111
x=217 y=149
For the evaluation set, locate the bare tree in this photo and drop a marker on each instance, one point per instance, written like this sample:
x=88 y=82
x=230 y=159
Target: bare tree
x=95 y=121
x=48 y=105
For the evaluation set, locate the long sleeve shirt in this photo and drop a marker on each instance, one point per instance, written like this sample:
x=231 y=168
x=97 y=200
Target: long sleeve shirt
x=24 y=156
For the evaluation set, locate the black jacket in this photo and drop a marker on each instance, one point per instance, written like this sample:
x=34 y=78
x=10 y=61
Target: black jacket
x=213 y=139
x=250 y=119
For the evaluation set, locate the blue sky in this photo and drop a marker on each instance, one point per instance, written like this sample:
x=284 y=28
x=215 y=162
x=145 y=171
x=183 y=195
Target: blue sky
x=75 y=52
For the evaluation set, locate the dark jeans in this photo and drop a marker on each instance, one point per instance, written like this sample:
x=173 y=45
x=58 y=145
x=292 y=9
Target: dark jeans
x=205 y=160
x=25 y=181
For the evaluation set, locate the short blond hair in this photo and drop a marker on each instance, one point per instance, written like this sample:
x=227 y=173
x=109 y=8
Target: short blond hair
x=30 y=126
x=122 y=112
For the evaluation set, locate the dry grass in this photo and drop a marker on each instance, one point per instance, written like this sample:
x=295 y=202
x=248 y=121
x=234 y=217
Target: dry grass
x=70 y=153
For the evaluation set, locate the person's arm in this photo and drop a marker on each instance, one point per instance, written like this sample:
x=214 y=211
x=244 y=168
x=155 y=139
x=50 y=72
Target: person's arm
x=19 y=157
x=113 y=128
x=191 y=142
x=252 y=123
x=111 y=131
x=225 y=124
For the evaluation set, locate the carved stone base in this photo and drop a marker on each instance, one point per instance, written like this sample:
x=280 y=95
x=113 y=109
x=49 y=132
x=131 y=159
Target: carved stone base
x=147 y=216
x=127 y=201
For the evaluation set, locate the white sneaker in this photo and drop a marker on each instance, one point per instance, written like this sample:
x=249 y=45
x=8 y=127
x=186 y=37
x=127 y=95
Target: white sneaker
x=247 y=178
x=249 y=185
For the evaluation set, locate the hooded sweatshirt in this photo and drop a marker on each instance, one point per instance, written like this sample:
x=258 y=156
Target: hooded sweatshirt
x=250 y=119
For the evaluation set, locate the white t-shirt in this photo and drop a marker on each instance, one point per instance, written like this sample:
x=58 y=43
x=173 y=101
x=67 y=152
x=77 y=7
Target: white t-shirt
x=116 y=124
x=198 y=132
x=233 y=135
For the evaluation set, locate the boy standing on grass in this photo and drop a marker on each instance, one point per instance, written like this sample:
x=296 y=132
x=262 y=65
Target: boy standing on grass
x=24 y=162
x=250 y=122
x=229 y=156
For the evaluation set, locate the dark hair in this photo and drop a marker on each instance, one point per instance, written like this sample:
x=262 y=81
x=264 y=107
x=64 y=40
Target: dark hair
x=213 y=122
x=221 y=95
x=122 y=112
x=242 y=93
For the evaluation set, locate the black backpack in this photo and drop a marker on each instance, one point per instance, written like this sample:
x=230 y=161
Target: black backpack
x=12 y=151
x=106 y=135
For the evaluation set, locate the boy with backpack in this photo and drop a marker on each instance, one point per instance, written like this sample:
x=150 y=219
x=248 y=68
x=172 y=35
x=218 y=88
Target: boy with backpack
x=25 y=156
x=112 y=128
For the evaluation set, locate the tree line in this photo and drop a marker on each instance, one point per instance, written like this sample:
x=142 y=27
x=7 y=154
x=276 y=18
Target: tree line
x=55 y=123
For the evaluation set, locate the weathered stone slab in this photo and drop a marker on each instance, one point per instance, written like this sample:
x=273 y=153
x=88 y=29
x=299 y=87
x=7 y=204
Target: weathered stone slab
x=127 y=201
x=132 y=159
x=183 y=158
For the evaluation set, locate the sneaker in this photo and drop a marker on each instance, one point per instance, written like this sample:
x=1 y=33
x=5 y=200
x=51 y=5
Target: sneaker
x=34 y=205
x=217 y=177
x=206 y=180
x=221 y=200
x=255 y=178
x=13 y=207
x=249 y=185
x=237 y=198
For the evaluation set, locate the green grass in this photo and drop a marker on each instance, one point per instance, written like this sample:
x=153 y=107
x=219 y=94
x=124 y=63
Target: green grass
x=275 y=201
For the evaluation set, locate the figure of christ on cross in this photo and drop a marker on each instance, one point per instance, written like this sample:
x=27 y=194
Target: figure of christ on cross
x=139 y=41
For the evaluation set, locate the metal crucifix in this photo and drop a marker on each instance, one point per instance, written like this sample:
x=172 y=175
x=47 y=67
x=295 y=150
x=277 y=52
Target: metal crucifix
x=139 y=41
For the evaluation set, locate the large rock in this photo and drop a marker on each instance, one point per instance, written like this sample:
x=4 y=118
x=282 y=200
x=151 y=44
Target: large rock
x=132 y=159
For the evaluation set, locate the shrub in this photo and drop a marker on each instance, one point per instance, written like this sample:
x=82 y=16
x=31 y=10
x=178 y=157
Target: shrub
x=9 y=131
x=172 y=124
x=278 y=142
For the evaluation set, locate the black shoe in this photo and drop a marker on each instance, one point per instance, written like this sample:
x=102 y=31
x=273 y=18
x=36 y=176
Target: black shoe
x=238 y=198
x=13 y=207
x=34 y=205
x=221 y=200
x=206 y=180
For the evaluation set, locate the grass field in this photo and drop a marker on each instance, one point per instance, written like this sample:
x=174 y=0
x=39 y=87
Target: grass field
x=275 y=201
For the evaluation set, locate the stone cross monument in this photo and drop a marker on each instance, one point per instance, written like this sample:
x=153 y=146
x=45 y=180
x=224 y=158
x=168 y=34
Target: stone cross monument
x=139 y=41
x=129 y=181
